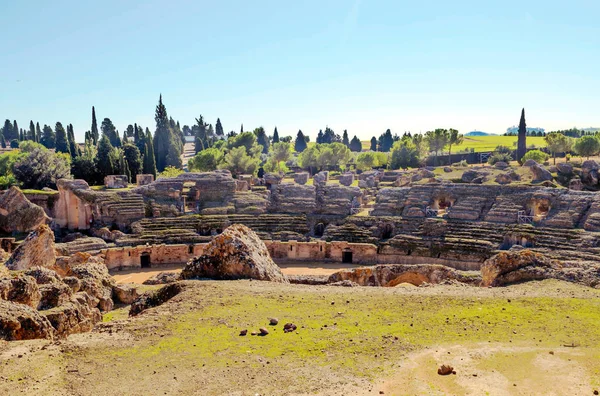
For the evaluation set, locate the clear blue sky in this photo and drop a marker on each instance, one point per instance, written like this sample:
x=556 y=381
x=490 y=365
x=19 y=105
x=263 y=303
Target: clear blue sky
x=359 y=65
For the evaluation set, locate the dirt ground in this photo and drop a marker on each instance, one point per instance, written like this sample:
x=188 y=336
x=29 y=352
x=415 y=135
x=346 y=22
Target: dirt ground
x=139 y=275
x=530 y=339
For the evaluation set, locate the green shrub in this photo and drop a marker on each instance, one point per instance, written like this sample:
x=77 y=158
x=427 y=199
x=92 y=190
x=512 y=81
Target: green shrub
x=499 y=157
x=536 y=155
x=7 y=182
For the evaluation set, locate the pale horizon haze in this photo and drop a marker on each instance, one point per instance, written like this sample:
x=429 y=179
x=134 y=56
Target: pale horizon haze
x=364 y=66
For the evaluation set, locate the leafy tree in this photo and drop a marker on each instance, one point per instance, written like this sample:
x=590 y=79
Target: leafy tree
x=281 y=152
x=275 y=136
x=369 y=160
x=48 y=138
x=287 y=139
x=14 y=144
x=262 y=139
x=249 y=141
x=308 y=158
x=239 y=162
x=130 y=131
x=330 y=136
x=454 y=138
x=206 y=160
x=587 y=146
x=95 y=134
x=300 y=143
x=345 y=139
x=557 y=143
x=133 y=159
x=84 y=166
x=105 y=158
x=109 y=130
x=373 y=144
x=167 y=145
x=62 y=140
x=404 y=154
x=522 y=140
x=356 y=145
x=437 y=140
x=420 y=144
x=149 y=157
x=31 y=132
x=219 y=129
x=41 y=168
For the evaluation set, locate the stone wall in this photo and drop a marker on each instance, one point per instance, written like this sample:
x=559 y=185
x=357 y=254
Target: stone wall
x=71 y=211
x=131 y=256
x=362 y=253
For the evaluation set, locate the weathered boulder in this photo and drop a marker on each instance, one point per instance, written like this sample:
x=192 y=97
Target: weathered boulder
x=272 y=178
x=540 y=173
x=589 y=172
x=321 y=178
x=512 y=267
x=501 y=165
x=43 y=275
x=575 y=184
x=426 y=173
x=479 y=180
x=155 y=298
x=95 y=280
x=469 y=175
x=125 y=294
x=17 y=213
x=54 y=294
x=301 y=177
x=393 y=274
x=237 y=253
x=347 y=179
x=447 y=169
x=77 y=315
x=36 y=250
x=529 y=162
x=21 y=322
x=564 y=168
x=162 y=278
x=21 y=289
x=503 y=178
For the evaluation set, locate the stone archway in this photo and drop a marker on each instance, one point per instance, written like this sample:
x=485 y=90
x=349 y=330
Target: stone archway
x=413 y=278
x=145 y=260
x=319 y=230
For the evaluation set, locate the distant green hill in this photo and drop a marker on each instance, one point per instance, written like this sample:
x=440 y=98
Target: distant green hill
x=478 y=133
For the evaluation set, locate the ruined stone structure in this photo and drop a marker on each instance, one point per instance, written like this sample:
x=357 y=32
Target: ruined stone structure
x=116 y=181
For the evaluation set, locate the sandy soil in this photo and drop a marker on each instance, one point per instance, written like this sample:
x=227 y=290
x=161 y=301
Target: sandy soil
x=139 y=275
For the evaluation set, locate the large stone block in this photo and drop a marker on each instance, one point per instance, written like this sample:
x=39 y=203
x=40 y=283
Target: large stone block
x=143 y=180
x=116 y=181
x=347 y=179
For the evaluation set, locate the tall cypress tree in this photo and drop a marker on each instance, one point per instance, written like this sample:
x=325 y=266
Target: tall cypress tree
x=7 y=131
x=15 y=131
x=38 y=132
x=149 y=157
x=62 y=140
x=275 y=136
x=31 y=132
x=522 y=142
x=345 y=139
x=73 y=146
x=356 y=144
x=48 y=138
x=219 y=129
x=21 y=135
x=373 y=144
x=95 y=134
x=167 y=148
x=300 y=143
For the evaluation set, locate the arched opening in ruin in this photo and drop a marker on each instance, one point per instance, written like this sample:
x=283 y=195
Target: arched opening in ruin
x=387 y=231
x=408 y=252
x=512 y=239
x=347 y=256
x=145 y=260
x=191 y=249
x=442 y=204
x=413 y=278
x=319 y=230
x=538 y=208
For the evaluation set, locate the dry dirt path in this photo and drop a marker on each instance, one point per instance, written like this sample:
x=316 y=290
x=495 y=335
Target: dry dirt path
x=139 y=275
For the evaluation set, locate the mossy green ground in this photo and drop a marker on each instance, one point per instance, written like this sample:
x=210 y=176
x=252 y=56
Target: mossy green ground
x=345 y=336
